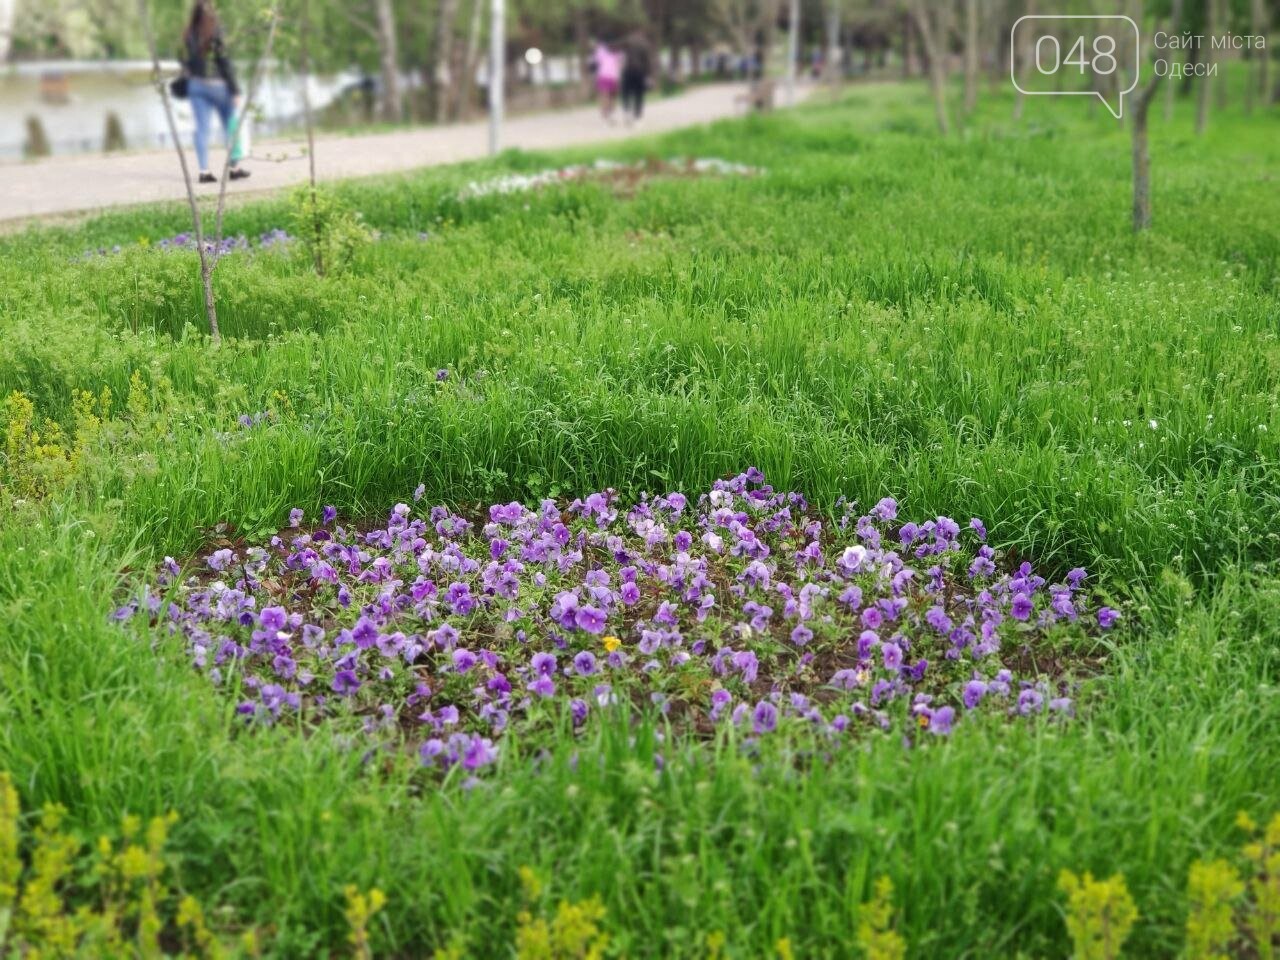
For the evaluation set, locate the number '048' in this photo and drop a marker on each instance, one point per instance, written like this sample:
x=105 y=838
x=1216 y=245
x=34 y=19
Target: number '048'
x=1103 y=62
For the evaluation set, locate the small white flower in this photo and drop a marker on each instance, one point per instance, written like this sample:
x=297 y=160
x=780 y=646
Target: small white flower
x=853 y=557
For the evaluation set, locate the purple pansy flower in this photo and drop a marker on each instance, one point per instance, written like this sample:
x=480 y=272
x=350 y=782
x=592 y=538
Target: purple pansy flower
x=764 y=718
x=585 y=664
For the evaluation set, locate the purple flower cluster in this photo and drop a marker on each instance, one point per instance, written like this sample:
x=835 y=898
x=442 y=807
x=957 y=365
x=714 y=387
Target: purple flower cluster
x=187 y=241
x=742 y=608
x=274 y=238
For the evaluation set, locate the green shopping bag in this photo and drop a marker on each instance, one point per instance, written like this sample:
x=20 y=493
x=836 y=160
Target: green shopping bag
x=238 y=135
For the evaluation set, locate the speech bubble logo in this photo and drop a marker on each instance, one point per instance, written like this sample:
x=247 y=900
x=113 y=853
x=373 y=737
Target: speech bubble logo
x=1090 y=44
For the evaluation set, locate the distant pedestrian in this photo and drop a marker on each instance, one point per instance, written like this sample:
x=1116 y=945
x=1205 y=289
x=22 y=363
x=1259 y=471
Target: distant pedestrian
x=211 y=83
x=608 y=66
x=636 y=68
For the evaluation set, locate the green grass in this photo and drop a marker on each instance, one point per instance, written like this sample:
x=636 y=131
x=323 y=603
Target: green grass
x=968 y=325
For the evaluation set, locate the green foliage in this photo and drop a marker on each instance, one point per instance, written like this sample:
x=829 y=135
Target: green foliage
x=572 y=933
x=329 y=232
x=1100 y=914
x=40 y=457
x=37 y=457
x=1263 y=910
x=360 y=909
x=1212 y=887
x=113 y=900
x=968 y=326
x=10 y=864
x=876 y=934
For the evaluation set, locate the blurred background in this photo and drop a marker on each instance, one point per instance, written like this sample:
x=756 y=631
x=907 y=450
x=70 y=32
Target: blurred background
x=75 y=74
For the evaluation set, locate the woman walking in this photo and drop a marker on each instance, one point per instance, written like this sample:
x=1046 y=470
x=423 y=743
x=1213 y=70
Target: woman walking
x=608 y=64
x=211 y=83
x=635 y=76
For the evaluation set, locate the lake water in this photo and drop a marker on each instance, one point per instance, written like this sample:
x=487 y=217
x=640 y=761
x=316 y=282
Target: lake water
x=72 y=100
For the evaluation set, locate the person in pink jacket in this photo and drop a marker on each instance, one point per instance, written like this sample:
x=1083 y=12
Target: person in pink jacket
x=608 y=64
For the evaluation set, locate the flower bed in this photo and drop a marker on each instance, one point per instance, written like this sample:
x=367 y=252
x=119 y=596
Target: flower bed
x=276 y=238
x=625 y=178
x=743 y=608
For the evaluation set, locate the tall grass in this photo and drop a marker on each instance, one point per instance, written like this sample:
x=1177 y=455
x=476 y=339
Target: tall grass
x=966 y=325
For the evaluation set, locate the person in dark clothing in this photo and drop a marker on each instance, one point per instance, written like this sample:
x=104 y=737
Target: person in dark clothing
x=635 y=75
x=211 y=83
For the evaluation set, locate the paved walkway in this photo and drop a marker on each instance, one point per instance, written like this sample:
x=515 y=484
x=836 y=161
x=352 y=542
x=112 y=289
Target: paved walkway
x=67 y=185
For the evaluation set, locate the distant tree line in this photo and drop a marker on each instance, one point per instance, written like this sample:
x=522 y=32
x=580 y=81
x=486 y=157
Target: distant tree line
x=444 y=41
x=421 y=58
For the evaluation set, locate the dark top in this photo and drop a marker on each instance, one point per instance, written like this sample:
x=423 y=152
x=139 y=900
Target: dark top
x=639 y=60
x=211 y=62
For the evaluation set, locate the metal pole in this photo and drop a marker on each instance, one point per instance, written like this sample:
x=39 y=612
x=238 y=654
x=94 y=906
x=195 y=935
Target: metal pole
x=793 y=50
x=497 y=69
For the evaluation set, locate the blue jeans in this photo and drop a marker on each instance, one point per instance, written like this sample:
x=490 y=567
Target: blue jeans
x=208 y=97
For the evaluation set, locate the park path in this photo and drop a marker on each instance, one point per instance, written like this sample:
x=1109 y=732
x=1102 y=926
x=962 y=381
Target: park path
x=83 y=184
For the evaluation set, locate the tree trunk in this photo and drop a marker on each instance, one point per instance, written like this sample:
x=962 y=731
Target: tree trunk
x=1141 y=165
x=1219 y=58
x=582 y=40
x=768 y=32
x=7 y=10
x=942 y=35
x=1023 y=67
x=1258 y=20
x=389 y=61
x=1222 y=23
x=162 y=86
x=937 y=71
x=1202 y=105
x=1209 y=61
x=442 y=78
x=793 y=50
x=970 y=55
x=497 y=74
x=304 y=44
x=1141 y=152
x=1000 y=51
x=465 y=84
x=245 y=109
x=831 y=65
x=906 y=46
x=660 y=36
